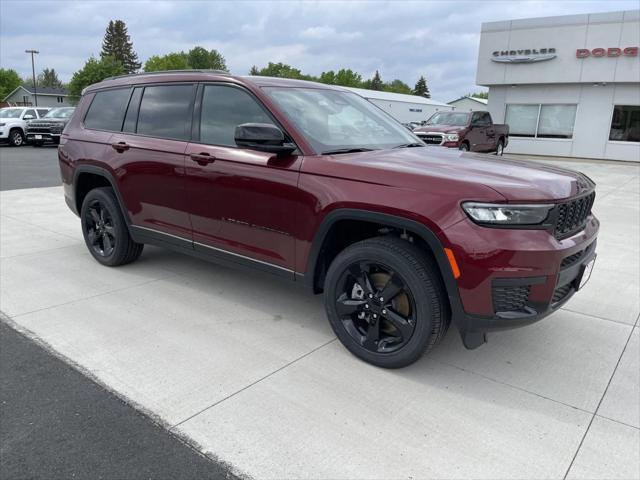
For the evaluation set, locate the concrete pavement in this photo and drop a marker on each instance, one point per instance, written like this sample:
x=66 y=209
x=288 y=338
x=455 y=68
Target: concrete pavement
x=248 y=368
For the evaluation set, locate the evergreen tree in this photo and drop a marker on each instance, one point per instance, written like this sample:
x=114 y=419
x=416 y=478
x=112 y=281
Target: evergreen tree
x=421 y=88
x=49 y=78
x=376 y=82
x=117 y=44
x=254 y=71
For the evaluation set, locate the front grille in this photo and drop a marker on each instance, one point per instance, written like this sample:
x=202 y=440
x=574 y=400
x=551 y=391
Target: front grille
x=571 y=259
x=561 y=292
x=430 y=139
x=510 y=299
x=572 y=215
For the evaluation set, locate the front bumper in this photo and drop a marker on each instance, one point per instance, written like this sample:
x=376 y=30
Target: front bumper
x=44 y=137
x=511 y=278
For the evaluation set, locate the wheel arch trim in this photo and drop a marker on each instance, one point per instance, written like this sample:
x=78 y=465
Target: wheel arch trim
x=106 y=174
x=424 y=232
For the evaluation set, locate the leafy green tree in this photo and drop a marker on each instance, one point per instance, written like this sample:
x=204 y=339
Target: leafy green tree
x=200 y=58
x=484 y=95
x=93 y=71
x=254 y=71
x=49 y=78
x=328 y=77
x=421 y=88
x=397 y=86
x=117 y=44
x=171 y=61
x=9 y=81
x=348 y=78
x=282 y=70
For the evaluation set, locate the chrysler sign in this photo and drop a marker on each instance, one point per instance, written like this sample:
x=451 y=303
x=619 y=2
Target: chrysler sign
x=525 y=55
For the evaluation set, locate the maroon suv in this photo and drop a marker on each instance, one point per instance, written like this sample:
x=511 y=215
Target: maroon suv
x=315 y=184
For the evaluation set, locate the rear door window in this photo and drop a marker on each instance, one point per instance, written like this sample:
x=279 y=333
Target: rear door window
x=42 y=112
x=107 y=110
x=165 y=111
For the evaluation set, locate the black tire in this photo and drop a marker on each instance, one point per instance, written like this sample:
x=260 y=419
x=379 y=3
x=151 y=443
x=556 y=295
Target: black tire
x=105 y=229
x=422 y=291
x=16 y=137
x=499 y=148
x=464 y=147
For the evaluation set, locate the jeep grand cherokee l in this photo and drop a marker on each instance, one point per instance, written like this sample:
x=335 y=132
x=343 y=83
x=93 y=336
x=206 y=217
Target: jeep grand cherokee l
x=317 y=185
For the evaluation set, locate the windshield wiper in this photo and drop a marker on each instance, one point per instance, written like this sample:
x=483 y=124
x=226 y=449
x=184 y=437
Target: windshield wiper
x=410 y=145
x=348 y=150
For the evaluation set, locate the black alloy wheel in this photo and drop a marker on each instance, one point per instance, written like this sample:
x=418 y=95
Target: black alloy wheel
x=376 y=307
x=100 y=229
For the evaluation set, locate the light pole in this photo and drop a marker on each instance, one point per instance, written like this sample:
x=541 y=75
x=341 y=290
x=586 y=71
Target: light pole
x=33 y=71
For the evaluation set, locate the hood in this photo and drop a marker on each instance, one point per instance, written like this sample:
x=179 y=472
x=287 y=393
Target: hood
x=468 y=173
x=439 y=129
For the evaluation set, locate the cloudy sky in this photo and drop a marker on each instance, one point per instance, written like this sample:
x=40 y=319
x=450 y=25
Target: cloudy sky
x=402 y=39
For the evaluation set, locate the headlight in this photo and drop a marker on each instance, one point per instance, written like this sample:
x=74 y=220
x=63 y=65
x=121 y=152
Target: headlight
x=451 y=137
x=505 y=214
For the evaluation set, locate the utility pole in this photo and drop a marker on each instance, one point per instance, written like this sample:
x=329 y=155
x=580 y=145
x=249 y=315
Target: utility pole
x=33 y=71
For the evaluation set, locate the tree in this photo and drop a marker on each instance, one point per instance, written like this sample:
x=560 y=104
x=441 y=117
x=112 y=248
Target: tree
x=376 y=82
x=171 y=61
x=9 y=81
x=49 y=78
x=397 y=86
x=93 y=71
x=421 y=88
x=254 y=71
x=348 y=78
x=282 y=70
x=484 y=95
x=117 y=44
x=328 y=77
x=200 y=58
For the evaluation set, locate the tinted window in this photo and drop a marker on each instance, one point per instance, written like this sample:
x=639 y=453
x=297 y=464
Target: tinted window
x=42 y=112
x=223 y=109
x=165 y=111
x=625 y=123
x=107 y=110
x=30 y=112
x=132 y=112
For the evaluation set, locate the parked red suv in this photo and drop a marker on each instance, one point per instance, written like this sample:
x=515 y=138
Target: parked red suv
x=317 y=185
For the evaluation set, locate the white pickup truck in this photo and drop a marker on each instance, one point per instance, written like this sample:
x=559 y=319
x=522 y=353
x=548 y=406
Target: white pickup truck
x=13 y=123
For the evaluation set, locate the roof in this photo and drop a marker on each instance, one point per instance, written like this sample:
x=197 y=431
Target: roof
x=58 y=92
x=394 y=97
x=483 y=101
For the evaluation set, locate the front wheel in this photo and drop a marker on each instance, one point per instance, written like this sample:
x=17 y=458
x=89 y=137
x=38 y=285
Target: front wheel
x=385 y=301
x=499 y=148
x=16 y=138
x=105 y=230
x=464 y=147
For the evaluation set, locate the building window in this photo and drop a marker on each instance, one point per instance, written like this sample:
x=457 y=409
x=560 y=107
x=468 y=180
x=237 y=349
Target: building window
x=541 y=121
x=60 y=100
x=625 y=123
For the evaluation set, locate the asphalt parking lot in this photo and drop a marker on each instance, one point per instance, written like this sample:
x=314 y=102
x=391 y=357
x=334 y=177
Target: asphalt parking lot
x=248 y=370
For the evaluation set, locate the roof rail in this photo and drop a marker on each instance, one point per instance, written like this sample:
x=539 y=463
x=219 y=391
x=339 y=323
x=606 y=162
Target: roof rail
x=164 y=72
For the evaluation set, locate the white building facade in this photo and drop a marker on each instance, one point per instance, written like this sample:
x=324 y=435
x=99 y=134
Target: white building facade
x=567 y=86
x=469 y=104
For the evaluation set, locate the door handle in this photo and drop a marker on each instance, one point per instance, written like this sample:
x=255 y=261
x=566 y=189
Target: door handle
x=202 y=158
x=120 y=147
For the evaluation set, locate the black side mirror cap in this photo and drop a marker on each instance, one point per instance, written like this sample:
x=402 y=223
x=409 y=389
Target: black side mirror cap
x=264 y=137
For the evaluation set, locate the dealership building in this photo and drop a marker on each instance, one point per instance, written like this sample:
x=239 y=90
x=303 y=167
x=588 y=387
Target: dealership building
x=567 y=86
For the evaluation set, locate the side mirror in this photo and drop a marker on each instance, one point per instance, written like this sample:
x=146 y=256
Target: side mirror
x=264 y=137
x=28 y=117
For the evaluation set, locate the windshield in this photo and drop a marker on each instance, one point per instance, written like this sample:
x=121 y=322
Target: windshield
x=334 y=120
x=59 y=113
x=456 y=119
x=10 y=113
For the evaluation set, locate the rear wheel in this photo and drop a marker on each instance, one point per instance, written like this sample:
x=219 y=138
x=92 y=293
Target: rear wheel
x=16 y=138
x=500 y=148
x=385 y=301
x=105 y=230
